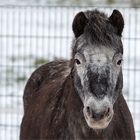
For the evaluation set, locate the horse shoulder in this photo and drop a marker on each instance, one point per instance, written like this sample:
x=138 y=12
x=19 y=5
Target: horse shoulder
x=42 y=75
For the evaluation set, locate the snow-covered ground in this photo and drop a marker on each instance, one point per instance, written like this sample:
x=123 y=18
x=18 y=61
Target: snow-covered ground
x=30 y=33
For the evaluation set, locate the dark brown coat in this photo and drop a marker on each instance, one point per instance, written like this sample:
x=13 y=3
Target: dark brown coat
x=54 y=112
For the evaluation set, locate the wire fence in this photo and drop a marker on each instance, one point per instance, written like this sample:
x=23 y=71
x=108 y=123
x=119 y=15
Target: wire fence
x=33 y=35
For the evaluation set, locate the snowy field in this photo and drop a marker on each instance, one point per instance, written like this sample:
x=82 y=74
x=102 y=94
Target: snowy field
x=30 y=35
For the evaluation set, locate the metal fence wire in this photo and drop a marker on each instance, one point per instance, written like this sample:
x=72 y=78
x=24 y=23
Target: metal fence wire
x=33 y=35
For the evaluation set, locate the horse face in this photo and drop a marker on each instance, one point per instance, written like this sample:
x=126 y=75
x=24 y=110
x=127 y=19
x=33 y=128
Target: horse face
x=97 y=72
x=98 y=80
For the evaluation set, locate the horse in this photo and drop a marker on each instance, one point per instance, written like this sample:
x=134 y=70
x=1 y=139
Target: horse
x=81 y=98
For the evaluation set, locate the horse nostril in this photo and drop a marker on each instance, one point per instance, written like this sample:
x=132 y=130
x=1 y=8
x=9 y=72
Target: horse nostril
x=107 y=111
x=88 y=109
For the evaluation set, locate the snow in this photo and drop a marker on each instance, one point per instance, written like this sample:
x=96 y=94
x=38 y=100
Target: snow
x=27 y=33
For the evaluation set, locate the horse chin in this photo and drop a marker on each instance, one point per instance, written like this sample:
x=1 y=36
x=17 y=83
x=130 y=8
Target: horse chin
x=100 y=124
x=97 y=125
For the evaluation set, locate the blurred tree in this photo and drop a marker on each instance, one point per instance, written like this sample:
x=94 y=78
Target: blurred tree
x=135 y=3
x=110 y=1
x=75 y=1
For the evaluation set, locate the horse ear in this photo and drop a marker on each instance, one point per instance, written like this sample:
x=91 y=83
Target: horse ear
x=117 y=21
x=79 y=24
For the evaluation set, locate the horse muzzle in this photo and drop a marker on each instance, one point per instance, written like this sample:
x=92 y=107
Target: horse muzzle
x=98 y=115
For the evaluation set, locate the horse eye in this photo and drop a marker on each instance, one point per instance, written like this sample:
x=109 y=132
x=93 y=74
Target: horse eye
x=119 y=62
x=77 y=62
